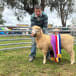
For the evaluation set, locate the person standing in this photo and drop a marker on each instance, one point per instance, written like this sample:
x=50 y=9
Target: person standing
x=40 y=19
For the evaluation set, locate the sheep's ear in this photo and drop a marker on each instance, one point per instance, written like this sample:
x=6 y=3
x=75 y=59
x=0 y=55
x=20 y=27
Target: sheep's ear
x=41 y=31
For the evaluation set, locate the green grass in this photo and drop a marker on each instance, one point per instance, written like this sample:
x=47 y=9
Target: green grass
x=15 y=63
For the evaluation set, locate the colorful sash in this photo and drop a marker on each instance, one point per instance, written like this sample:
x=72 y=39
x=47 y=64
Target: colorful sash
x=56 y=45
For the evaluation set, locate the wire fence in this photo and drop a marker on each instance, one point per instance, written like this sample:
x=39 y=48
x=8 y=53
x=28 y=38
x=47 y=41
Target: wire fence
x=19 y=37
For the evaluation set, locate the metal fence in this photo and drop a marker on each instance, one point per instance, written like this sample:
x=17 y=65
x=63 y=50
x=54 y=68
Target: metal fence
x=19 y=37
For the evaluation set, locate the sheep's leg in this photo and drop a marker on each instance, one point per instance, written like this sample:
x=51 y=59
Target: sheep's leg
x=72 y=57
x=71 y=53
x=44 y=54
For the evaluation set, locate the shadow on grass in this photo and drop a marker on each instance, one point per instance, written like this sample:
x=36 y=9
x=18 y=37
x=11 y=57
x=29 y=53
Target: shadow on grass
x=62 y=61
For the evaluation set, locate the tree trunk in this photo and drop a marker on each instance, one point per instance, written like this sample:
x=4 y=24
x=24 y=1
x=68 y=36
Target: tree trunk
x=43 y=4
x=62 y=16
x=62 y=20
x=33 y=4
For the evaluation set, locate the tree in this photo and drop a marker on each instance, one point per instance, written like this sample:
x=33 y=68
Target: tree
x=63 y=7
x=27 y=5
x=1 y=20
x=43 y=4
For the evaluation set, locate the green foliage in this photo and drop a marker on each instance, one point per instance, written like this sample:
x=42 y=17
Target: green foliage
x=1 y=20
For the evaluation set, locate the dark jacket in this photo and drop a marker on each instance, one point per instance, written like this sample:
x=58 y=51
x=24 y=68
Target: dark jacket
x=41 y=21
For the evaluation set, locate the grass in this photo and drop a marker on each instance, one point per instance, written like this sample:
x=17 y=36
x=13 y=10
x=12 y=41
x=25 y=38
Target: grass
x=15 y=63
x=16 y=41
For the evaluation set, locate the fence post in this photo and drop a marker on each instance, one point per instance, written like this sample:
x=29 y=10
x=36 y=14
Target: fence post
x=72 y=32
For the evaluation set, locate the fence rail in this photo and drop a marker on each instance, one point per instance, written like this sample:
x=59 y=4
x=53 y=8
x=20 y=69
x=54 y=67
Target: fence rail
x=26 y=37
x=15 y=39
x=15 y=43
x=14 y=35
x=15 y=48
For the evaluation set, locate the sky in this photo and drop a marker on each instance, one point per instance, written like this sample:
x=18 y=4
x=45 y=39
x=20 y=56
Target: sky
x=11 y=19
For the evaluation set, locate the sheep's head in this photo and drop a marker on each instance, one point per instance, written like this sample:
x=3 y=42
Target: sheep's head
x=36 y=30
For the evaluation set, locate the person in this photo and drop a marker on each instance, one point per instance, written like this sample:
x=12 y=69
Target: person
x=38 y=18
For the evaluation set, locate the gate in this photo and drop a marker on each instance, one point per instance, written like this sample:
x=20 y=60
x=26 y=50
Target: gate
x=19 y=37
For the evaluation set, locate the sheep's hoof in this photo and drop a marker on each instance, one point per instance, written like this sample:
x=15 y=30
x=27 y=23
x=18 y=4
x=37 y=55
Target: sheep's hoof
x=44 y=62
x=72 y=62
